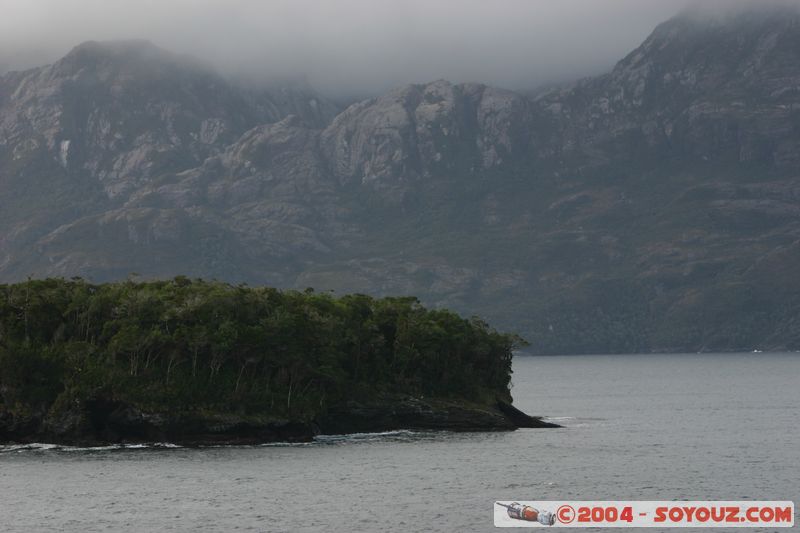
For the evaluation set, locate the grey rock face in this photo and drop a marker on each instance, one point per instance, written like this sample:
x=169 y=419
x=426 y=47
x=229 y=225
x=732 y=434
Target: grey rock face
x=420 y=131
x=709 y=89
x=126 y=113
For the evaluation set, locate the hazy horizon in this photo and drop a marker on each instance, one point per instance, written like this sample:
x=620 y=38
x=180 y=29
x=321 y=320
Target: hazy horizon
x=353 y=47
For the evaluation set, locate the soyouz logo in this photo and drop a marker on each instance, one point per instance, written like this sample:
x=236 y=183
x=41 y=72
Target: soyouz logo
x=661 y=514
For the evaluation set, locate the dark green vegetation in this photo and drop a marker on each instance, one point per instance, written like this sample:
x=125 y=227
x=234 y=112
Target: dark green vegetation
x=209 y=348
x=653 y=208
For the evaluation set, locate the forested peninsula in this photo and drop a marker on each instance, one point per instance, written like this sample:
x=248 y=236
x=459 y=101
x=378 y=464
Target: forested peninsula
x=197 y=362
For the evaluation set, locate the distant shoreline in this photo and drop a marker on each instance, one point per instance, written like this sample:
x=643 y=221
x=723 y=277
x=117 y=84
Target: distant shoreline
x=640 y=354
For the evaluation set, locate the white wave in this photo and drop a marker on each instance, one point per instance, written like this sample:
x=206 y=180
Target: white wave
x=36 y=446
x=353 y=436
x=44 y=447
x=150 y=445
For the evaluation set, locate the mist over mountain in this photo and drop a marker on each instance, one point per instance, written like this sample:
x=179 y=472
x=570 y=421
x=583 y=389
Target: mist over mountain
x=654 y=207
x=351 y=47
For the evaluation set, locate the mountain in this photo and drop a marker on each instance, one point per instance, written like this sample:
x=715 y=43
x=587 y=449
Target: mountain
x=656 y=207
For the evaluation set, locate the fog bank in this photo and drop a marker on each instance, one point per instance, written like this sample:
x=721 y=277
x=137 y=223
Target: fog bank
x=352 y=46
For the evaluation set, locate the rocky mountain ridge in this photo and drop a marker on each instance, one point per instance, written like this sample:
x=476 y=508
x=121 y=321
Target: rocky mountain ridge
x=652 y=208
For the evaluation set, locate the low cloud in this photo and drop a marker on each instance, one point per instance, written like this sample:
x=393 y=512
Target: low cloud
x=351 y=46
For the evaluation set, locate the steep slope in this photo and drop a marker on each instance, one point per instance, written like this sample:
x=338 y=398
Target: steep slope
x=692 y=144
x=82 y=139
x=653 y=208
x=421 y=131
x=711 y=88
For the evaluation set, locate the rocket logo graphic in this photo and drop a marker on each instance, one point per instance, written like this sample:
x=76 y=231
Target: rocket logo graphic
x=527 y=513
x=643 y=513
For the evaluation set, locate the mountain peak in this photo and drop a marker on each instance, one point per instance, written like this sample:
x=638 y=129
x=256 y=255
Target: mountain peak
x=133 y=53
x=726 y=11
x=742 y=51
x=719 y=29
x=93 y=51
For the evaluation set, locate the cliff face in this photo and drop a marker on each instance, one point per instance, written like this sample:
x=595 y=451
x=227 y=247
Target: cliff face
x=714 y=89
x=653 y=208
x=419 y=132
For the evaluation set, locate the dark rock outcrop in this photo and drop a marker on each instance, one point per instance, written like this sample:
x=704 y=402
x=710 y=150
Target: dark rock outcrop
x=101 y=421
x=421 y=414
x=522 y=420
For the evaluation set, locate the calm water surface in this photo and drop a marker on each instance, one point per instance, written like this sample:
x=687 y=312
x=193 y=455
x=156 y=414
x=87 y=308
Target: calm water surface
x=697 y=427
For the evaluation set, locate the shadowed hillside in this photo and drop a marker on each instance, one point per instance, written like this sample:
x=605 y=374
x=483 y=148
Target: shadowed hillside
x=656 y=207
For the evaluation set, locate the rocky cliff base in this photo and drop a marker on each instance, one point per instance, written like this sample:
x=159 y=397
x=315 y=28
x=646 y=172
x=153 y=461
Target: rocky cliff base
x=101 y=422
x=423 y=414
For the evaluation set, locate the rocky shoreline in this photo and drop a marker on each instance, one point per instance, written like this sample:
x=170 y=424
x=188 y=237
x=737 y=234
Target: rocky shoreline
x=101 y=422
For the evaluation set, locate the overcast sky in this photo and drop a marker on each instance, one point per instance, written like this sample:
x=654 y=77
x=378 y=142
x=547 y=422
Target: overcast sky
x=361 y=46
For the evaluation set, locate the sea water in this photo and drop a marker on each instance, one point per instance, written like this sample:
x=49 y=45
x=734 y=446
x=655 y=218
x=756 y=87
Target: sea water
x=636 y=427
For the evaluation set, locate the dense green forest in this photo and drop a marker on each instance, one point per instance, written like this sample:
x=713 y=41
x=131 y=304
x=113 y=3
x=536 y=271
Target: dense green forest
x=196 y=345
